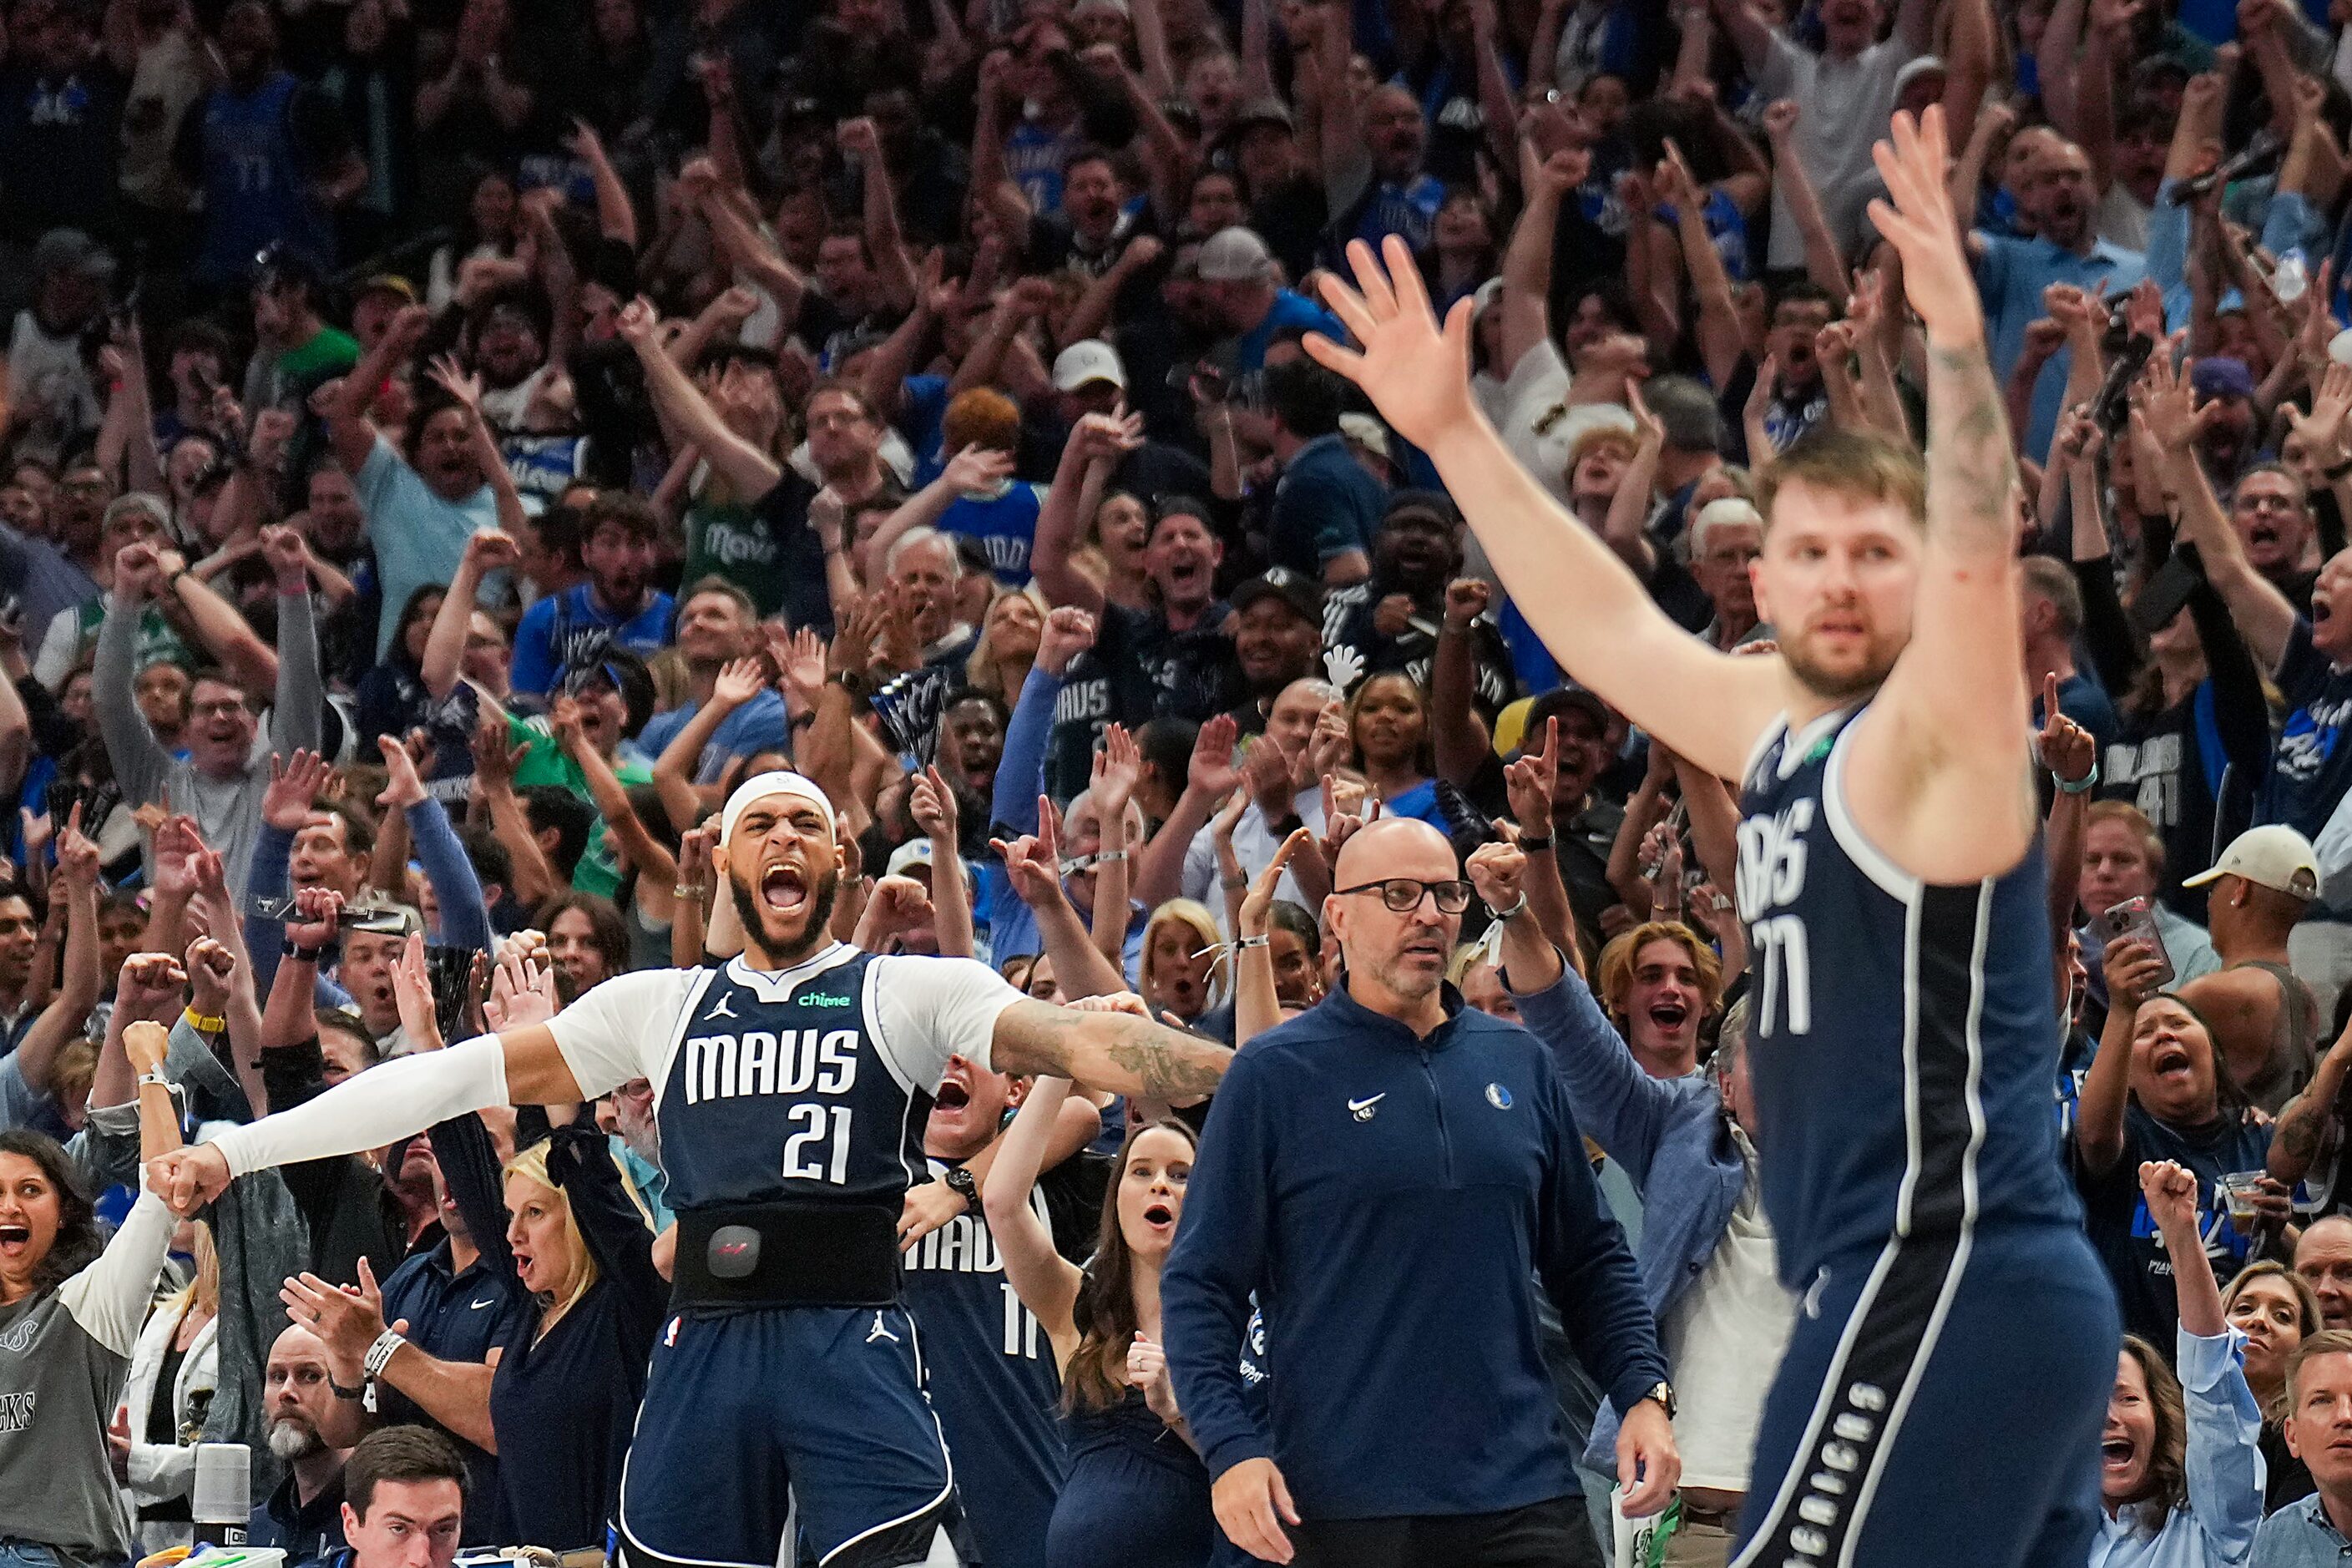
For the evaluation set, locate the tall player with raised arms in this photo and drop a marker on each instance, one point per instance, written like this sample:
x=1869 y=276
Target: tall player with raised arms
x=1905 y=1040
x=791 y=1088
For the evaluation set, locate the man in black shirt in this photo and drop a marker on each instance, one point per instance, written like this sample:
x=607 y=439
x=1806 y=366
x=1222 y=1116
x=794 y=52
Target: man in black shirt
x=1173 y=658
x=1390 y=620
x=1277 y=639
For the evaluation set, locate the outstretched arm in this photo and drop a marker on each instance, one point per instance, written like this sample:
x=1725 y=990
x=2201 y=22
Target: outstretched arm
x=1107 y=1051
x=1589 y=607
x=1939 y=776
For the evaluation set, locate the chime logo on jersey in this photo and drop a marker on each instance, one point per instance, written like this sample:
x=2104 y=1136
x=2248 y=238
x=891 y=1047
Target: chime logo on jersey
x=757 y=1062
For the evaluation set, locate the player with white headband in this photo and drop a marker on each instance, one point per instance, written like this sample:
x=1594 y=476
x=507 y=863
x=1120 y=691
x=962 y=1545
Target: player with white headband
x=790 y=1089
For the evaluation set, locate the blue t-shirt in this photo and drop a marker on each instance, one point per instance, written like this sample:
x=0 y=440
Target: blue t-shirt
x=1409 y=209
x=1290 y=311
x=566 y=630
x=1324 y=504
x=760 y=725
x=1005 y=524
x=2311 y=767
x=419 y=537
x=922 y=413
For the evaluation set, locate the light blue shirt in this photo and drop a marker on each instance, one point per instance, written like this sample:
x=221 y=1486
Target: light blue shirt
x=418 y=536
x=2300 y=1536
x=2214 y=1526
x=2011 y=275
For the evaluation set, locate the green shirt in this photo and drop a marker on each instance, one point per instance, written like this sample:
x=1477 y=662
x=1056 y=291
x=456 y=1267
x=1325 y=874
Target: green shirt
x=328 y=353
x=547 y=762
x=740 y=542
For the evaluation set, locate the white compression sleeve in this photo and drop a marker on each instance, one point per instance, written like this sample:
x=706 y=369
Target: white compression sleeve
x=374 y=1108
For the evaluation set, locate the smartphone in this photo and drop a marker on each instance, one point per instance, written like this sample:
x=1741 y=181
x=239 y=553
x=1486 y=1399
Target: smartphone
x=451 y=971
x=2135 y=920
x=375 y=922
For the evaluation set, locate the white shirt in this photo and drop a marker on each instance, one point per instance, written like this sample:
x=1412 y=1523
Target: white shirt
x=924 y=1010
x=1254 y=846
x=1724 y=1339
x=1847 y=104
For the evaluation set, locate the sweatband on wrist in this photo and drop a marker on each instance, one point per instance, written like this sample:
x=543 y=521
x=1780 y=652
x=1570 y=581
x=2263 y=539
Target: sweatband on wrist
x=373 y=1109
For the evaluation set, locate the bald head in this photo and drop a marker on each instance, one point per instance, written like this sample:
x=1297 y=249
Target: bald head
x=297 y=1343
x=1395 y=957
x=1394 y=847
x=304 y=1417
x=2324 y=1258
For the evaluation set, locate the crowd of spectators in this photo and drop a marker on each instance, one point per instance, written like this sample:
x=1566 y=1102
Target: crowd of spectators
x=447 y=445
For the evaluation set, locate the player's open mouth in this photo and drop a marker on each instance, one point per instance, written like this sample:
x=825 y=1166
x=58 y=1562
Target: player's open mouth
x=1159 y=1214
x=953 y=1097
x=14 y=1240
x=784 y=889
x=2116 y=1453
x=1669 y=1014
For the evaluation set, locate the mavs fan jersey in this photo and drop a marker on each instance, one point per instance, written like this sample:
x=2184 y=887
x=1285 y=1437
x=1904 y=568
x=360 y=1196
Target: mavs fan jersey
x=991 y=1381
x=810 y=1083
x=1903 y=1037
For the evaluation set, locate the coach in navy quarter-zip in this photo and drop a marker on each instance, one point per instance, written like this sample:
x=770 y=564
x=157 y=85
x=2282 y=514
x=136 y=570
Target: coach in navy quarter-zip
x=1391 y=1173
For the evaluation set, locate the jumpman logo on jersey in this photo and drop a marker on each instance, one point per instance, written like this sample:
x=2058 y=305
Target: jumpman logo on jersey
x=723 y=1008
x=880 y=1330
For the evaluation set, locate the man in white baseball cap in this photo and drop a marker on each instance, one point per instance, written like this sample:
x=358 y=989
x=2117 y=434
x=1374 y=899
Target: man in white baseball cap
x=1089 y=378
x=2265 y=1020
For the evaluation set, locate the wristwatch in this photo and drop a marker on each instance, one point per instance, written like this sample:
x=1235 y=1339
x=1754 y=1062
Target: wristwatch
x=1664 y=1394
x=959 y=1181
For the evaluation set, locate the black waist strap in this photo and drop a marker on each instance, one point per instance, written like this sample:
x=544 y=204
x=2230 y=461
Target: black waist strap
x=788 y=1255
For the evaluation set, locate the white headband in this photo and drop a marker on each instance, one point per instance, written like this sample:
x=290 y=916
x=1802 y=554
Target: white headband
x=777 y=783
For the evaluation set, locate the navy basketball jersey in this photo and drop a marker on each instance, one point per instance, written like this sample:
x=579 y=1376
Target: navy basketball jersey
x=993 y=1382
x=776 y=1090
x=1903 y=1037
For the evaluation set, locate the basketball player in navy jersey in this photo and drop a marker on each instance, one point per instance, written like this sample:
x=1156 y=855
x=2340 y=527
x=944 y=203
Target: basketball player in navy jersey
x=791 y=1087
x=992 y=1367
x=1940 y=1402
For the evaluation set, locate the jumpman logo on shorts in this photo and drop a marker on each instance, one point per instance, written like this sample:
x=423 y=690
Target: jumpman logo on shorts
x=880 y=1330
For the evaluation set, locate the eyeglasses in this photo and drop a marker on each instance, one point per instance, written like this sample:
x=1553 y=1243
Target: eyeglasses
x=1403 y=895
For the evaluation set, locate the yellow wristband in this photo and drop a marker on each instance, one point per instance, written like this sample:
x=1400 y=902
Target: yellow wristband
x=209 y=1025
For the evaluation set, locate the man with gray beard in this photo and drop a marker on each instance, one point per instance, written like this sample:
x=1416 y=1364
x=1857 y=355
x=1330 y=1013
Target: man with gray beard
x=311 y=1430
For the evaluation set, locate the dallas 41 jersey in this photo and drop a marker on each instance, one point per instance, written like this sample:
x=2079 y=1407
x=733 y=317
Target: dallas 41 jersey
x=810 y=1083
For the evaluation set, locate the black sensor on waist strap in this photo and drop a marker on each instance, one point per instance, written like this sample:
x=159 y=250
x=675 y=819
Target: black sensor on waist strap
x=788 y=1255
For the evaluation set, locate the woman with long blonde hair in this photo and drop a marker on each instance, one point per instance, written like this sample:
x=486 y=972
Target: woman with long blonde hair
x=563 y=1389
x=174 y=1368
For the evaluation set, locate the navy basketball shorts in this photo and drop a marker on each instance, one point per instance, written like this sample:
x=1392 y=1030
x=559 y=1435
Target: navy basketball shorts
x=761 y=1420
x=1940 y=1404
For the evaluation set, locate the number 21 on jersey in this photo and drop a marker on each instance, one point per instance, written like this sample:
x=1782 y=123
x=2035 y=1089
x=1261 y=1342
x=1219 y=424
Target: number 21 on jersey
x=818 y=1149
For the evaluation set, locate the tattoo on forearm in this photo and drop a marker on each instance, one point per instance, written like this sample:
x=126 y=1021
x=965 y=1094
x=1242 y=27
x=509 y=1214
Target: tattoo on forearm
x=1172 y=1065
x=1971 y=467
x=2298 y=1130
x=1165 y=1064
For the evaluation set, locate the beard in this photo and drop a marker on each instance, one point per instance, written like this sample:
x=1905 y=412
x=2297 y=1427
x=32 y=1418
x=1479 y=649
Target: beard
x=1834 y=685
x=292 y=1437
x=750 y=911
